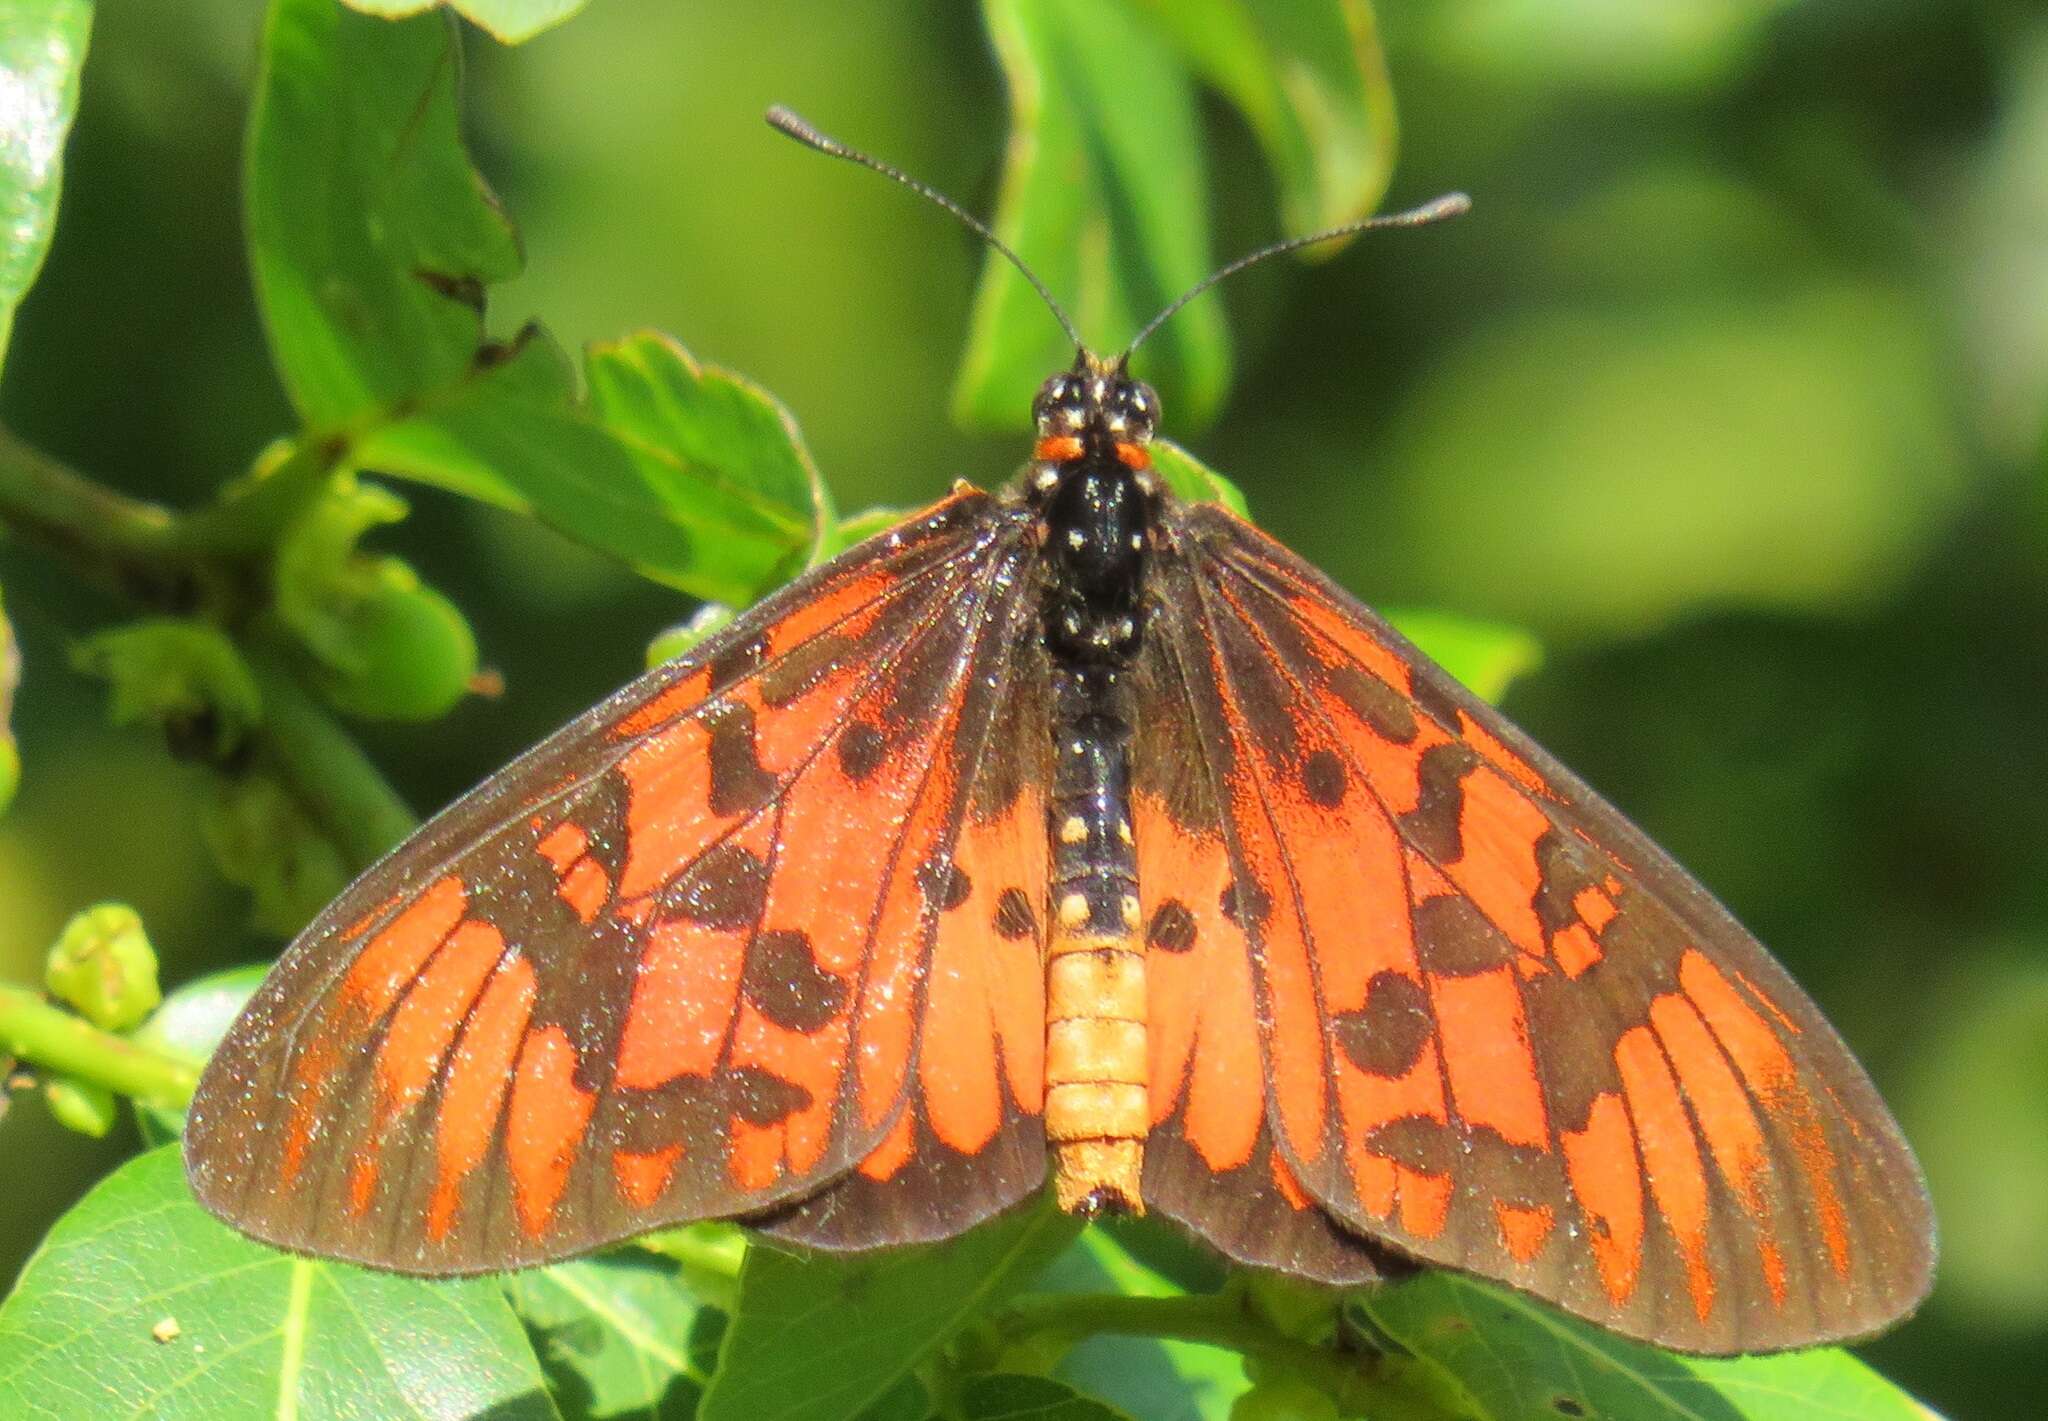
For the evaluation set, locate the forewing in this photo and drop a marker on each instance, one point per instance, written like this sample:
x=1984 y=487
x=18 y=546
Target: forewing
x=1502 y=1031
x=663 y=967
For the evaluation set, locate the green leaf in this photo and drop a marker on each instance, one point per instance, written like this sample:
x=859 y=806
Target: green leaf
x=1146 y=1376
x=1008 y=1397
x=670 y=643
x=694 y=476
x=510 y=21
x=1104 y=197
x=1486 y=656
x=371 y=235
x=42 y=47
x=616 y=1334
x=858 y=528
x=1493 y=1355
x=184 y=676
x=139 y=1303
x=188 y=1025
x=1192 y=479
x=1104 y=191
x=10 y=677
x=374 y=240
x=822 y=1337
x=1311 y=80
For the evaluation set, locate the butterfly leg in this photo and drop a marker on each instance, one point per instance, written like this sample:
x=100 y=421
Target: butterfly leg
x=1095 y=1052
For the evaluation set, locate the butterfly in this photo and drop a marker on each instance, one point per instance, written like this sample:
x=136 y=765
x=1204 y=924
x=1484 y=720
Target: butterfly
x=1074 y=830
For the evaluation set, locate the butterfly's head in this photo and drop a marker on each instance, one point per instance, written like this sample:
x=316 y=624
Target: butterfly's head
x=1095 y=408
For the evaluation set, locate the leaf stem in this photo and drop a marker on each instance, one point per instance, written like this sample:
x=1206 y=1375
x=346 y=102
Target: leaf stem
x=124 y=544
x=348 y=797
x=39 y=1031
x=171 y=561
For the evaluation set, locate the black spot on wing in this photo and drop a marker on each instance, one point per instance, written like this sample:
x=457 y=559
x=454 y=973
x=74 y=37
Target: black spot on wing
x=724 y=889
x=1323 y=779
x=1246 y=904
x=943 y=884
x=1014 y=918
x=1455 y=939
x=742 y=659
x=1384 y=710
x=861 y=748
x=738 y=783
x=763 y=1098
x=1385 y=1037
x=1437 y=702
x=785 y=983
x=1172 y=928
x=1432 y=825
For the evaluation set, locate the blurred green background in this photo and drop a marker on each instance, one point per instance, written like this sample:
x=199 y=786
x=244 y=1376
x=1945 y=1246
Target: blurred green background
x=1733 y=389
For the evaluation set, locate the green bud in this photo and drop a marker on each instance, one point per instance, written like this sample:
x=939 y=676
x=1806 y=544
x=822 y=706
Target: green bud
x=103 y=967
x=264 y=842
x=80 y=1105
x=183 y=676
x=384 y=645
x=708 y=620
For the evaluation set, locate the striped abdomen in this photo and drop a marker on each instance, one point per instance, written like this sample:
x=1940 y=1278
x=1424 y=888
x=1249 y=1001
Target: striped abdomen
x=1096 y=1112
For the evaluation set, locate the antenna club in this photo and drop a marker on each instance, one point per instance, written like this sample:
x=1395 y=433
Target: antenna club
x=791 y=122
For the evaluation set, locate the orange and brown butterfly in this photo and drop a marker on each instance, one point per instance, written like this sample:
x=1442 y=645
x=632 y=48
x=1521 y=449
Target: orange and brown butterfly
x=1075 y=831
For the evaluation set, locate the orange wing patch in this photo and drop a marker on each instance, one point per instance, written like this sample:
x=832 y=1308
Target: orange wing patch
x=983 y=1047
x=1202 y=1021
x=478 y=1078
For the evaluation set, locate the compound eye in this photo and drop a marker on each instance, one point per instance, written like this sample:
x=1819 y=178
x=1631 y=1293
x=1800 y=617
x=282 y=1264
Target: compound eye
x=1139 y=406
x=1051 y=395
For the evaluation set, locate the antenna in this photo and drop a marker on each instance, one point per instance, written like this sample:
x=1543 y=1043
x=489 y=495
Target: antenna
x=1436 y=210
x=791 y=124
x=1450 y=204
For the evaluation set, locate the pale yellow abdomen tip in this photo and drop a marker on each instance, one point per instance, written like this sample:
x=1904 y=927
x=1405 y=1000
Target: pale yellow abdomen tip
x=1097 y=1108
